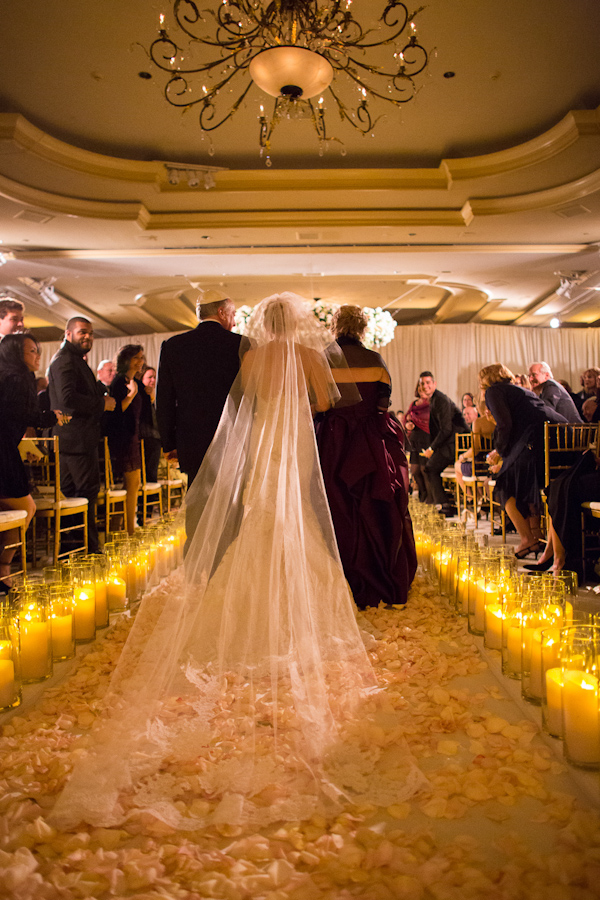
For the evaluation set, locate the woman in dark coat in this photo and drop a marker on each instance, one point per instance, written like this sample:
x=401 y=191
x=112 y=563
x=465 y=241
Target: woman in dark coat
x=519 y=455
x=123 y=425
x=416 y=423
x=19 y=410
x=366 y=475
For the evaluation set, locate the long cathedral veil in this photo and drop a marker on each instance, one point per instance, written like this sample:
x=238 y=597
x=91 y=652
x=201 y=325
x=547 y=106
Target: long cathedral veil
x=238 y=674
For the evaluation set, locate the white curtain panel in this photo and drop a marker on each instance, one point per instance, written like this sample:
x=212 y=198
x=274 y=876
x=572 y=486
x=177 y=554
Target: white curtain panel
x=454 y=353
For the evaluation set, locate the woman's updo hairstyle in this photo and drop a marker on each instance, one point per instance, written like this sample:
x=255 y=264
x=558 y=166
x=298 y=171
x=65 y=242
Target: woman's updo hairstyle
x=495 y=373
x=349 y=321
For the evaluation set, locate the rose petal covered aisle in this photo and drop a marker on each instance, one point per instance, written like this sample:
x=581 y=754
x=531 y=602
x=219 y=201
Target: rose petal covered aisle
x=497 y=813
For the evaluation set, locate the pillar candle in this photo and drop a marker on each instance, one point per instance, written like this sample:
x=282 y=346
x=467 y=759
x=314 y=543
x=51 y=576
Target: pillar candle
x=463 y=592
x=84 y=614
x=535 y=664
x=7 y=683
x=493 y=626
x=62 y=636
x=513 y=644
x=35 y=645
x=580 y=717
x=5 y=650
x=553 y=709
x=116 y=591
x=101 y=604
x=485 y=593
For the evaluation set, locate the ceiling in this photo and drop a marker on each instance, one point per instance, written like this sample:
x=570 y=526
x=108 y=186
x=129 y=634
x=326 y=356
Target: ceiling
x=468 y=205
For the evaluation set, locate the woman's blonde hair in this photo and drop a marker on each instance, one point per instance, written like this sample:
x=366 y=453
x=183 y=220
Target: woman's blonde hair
x=349 y=321
x=494 y=374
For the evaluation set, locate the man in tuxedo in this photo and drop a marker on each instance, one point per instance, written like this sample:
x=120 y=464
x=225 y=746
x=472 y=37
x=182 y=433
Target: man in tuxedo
x=195 y=372
x=445 y=421
x=72 y=388
x=11 y=316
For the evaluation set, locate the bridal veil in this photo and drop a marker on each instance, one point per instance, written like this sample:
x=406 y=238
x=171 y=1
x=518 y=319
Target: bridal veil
x=232 y=693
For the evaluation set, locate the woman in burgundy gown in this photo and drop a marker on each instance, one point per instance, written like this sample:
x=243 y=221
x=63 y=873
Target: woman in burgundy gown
x=366 y=475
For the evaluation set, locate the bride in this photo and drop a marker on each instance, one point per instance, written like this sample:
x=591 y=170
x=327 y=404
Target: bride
x=233 y=692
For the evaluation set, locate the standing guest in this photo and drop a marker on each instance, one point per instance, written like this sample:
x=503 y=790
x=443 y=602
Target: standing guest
x=73 y=389
x=105 y=373
x=124 y=425
x=19 y=360
x=551 y=392
x=518 y=459
x=195 y=373
x=11 y=316
x=366 y=474
x=445 y=421
x=148 y=426
x=416 y=423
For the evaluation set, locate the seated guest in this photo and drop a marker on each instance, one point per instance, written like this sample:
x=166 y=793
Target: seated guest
x=522 y=381
x=19 y=359
x=518 y=459
x=124 y=425
x=105 y=373
x=589 y=382
x=564 y=495
x=470 y=415
x=445 y=420
x=416 y=423
x=483 y=426
x=366 y=474
x=551 y=392
x=467 y=400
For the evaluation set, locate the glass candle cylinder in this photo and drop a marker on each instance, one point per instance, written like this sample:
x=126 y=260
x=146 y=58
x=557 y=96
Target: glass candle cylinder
x=477 y=592
x=99 y=562
x=580 y=647
x=511 y=636
x=53 y=574
x=551 y=681
x=84 y=601
x=35 y=633
x=61 y=620
x=540 y=613
x=116 y=586
x=10 y=670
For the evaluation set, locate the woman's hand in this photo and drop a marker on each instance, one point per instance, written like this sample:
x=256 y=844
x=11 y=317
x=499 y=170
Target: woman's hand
x=496 y=468
x=132 y=388
x=493 y=458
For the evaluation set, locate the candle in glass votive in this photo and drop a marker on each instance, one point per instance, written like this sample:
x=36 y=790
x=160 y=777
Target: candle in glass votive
x=101 y=604
x=553 y=706
x=7 y=683
x=462 y=595
x=84 y=614
x=35 y=645
x=116 y=590
x=493 y=626
x=62 y=636
x=580 y=717
x=513 y=645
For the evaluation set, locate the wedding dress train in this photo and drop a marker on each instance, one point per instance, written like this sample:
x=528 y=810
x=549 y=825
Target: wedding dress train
x=244 y=676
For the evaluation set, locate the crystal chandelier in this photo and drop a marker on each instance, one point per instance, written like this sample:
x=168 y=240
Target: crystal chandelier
x=294 y=51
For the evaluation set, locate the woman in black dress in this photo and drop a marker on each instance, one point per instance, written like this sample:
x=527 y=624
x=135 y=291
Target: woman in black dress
x=19 y=410
x=366 y=475
x=518 y=458
x=123 y=425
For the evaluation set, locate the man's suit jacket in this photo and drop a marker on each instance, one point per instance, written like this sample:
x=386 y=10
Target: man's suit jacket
x=553 y=394
x=445 y=420
x=73 y=390
x=195 y=372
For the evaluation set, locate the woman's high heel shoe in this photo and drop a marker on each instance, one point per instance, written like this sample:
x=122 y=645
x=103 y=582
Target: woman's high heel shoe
x=540 y=567
x=536 y=549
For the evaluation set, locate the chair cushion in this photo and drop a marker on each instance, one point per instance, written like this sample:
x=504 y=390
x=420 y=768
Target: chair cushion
x=116 y=494
x=67 y=503
x=151 y=486
x=12 y=517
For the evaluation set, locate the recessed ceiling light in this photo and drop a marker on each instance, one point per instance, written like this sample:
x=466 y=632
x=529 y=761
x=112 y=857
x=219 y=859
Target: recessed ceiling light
x=554 y=323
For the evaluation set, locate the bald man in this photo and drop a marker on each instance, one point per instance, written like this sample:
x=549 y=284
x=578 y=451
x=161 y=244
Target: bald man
x=551 y=392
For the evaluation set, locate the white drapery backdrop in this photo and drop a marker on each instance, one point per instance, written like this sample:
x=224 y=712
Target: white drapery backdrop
x=454 y=353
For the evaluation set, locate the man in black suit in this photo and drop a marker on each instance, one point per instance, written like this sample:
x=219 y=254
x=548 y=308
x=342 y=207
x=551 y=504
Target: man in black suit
x=445 y=420
x=195 y=372
x=72 y=388
x=544 y=385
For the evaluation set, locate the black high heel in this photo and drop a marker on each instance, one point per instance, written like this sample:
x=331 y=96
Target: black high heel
x=536 y=549
x=539 y=567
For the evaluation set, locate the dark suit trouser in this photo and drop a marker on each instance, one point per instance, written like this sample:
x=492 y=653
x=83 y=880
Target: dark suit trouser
x=79 y=477
x=435 y=466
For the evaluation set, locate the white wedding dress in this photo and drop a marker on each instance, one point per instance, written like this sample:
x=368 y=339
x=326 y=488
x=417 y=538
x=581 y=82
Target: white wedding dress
x=233 y=692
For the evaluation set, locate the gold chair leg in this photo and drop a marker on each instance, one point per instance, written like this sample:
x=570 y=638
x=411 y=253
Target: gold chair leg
x=56 y=538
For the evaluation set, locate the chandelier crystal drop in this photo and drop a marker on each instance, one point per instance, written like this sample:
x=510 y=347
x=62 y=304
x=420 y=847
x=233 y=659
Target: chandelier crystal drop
x=294 y=51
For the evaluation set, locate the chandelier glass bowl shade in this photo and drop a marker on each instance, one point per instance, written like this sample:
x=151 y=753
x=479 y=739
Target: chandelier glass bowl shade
x=294 y=51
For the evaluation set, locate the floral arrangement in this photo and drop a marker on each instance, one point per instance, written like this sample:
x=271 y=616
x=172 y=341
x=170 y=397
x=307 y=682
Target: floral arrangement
x=380 y=327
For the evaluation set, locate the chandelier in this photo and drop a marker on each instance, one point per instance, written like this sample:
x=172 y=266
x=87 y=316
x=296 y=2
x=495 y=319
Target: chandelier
x=294 y=51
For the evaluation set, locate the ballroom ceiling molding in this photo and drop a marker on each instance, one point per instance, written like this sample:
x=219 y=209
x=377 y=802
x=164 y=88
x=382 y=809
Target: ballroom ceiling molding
x=464 y=207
